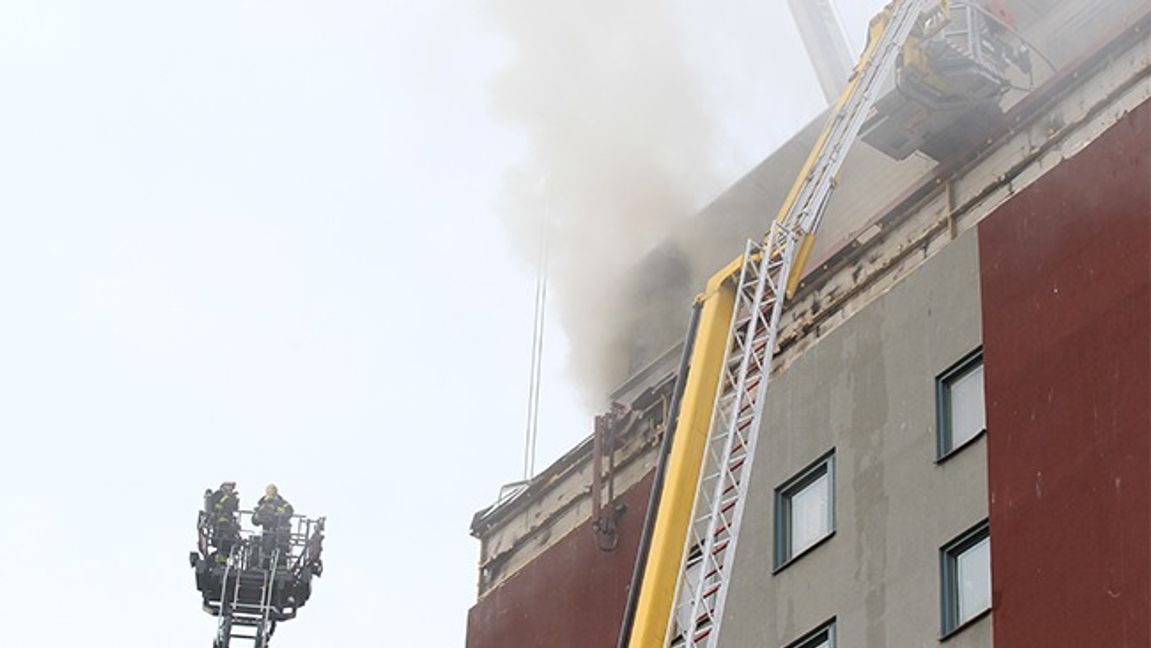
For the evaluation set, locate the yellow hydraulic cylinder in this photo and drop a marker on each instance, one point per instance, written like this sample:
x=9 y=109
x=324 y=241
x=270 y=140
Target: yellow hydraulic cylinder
x=673 y=518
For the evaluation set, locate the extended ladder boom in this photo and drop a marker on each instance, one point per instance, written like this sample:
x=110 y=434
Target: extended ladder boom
x=806 y=203
x=756 y=285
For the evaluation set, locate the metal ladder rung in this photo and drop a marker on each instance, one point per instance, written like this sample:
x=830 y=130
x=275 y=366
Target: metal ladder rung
x=710 y=592
x=757 y=347
x=729 y=505
x=720 y=475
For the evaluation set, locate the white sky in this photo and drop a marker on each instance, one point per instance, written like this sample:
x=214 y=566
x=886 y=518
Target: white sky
x=257 y=240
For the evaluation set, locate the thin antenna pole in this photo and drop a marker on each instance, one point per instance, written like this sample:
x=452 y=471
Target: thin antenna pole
x=538 y=326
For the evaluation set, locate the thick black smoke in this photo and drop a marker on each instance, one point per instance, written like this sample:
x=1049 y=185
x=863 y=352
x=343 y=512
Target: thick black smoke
x=619 y=152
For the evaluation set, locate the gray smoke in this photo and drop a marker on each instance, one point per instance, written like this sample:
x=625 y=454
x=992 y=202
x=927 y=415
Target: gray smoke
x=619 y=153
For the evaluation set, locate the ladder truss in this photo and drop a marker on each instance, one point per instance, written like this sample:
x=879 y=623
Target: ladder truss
x=767 y=271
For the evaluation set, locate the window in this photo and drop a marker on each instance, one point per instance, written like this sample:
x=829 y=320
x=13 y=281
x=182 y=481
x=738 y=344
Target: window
x=966 y=577
x=959 y=404
x=805 y=510
x=821 y=637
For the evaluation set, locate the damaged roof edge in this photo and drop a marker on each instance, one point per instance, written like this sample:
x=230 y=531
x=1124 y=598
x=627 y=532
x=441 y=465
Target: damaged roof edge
x=493 y=515
x=1021 y=114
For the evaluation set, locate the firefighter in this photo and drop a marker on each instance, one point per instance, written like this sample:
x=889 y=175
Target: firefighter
x=274 y=514
x=222 y=507
x=272 y=511
x=224 y=501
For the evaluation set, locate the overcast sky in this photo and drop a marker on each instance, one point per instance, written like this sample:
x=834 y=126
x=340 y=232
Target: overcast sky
x=261 y=241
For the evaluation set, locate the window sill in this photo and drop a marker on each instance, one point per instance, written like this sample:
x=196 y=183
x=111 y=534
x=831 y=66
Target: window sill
x=959 y=448
x=783 y=565
x=965 y=625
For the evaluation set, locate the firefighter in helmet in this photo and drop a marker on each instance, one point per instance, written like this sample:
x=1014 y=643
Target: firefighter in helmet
x=222 y=505
x=274 y=514
x=272 y=510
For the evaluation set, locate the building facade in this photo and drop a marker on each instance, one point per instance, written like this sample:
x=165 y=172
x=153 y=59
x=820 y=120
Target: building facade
x=957 y=442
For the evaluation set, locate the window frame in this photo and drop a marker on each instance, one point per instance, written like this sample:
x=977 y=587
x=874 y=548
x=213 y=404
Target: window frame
x=944 y=438
x=949 y=554
x=784 y=554
x=825 y=632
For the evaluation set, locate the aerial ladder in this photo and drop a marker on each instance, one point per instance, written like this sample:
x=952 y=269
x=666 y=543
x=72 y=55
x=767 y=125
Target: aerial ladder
x=688 y=566
x=251 y=581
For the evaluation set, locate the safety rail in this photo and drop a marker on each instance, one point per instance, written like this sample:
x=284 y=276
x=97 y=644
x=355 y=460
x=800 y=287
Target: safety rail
x=252 y=577
x=302 y=529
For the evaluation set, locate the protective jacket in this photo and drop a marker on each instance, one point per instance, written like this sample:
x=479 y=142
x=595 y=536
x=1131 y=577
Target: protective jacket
x=222 y=504
x=274 y=511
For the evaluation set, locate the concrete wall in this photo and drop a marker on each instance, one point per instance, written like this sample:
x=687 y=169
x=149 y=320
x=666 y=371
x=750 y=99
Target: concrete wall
x=867 y=390
x=1067 y=301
